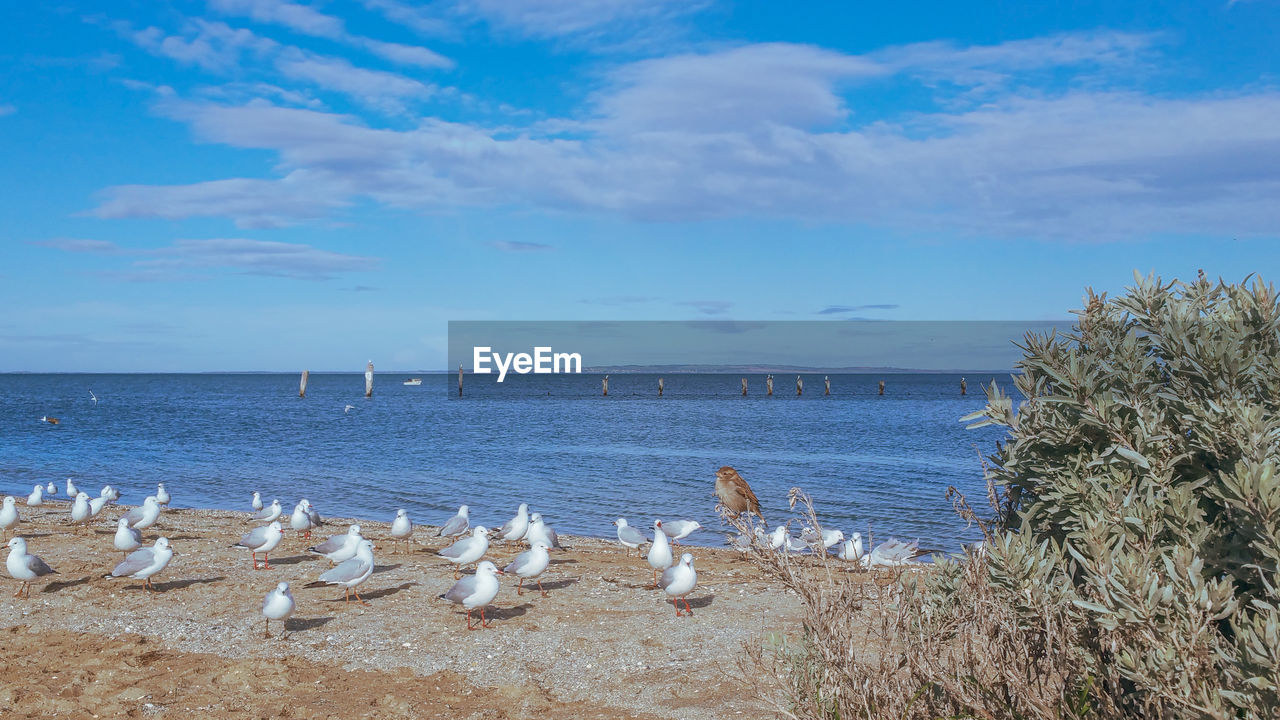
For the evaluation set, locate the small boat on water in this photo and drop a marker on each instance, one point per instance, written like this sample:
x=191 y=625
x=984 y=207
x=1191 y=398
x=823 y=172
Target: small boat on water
x=413 y=381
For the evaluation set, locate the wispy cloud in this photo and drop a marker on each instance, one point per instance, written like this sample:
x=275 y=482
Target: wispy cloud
x=185 y=259
x=708 y=307
x=598 y=23
x=521 y=246
x=842 y=309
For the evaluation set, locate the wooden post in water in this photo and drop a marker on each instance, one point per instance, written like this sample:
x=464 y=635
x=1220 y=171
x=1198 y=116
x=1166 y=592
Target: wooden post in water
x=881 y=387
x=459 y=379
x=368 y=379
x=605 y=384
x=963 y=387
x=768 y=384
x=826 y=379
x=302 y=387
x=659 y=387
x=744 y=387
x=799 y=386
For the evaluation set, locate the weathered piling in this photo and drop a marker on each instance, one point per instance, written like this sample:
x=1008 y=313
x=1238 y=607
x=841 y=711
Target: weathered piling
x=659 y=387
x=826 y=380
x=605 y=384
x=744 y=387
x=768 y=384
x=881 y=387
x=368 y=379
x=799 y=386
x=459 y=379
x=964 y=390
x=302 y=386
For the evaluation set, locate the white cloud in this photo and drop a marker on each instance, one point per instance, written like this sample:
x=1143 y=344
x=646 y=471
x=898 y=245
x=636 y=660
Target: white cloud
x=567 y=18
x=214 y=46
x=374 y=88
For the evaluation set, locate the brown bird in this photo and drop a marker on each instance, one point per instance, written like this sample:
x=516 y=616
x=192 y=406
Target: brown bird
x=734 y=492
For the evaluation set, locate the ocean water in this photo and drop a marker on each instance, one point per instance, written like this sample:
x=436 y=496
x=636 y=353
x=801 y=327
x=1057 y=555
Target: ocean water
x=870 y=462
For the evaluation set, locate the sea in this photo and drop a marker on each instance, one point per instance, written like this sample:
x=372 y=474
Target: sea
x=872 y=463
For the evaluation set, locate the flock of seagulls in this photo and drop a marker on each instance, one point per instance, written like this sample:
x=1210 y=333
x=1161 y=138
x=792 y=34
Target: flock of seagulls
x=351 y=555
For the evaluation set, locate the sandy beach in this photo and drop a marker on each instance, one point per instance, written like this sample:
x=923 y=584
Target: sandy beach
x=601 y=645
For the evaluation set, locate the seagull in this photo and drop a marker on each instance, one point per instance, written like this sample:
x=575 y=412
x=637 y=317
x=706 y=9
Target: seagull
x=457 y=524
x=851 y=550
x=895 y=553
x=659 y=552
x=401 y=527
x=316 y=521
x=340 y=548
x=8 y=515
x=71 y=489
x=268 y=514
x=162 y=495
x=629 y=536
x=348 y=409
x=95 y=397
x=778 y=537
x=350 y=572
x=680 y=580
x=25 y=567
x=142 y=564
x=51 y=488
x=262 y=540
x=96 y=505
x=127 y=539
x=467 y=550
x=36 y=498
x=517 y=527
x=735 y=494
x=278 y=605
x=476 y=591
x=829 y=538
x=257 y=501
x=145 y=515
x=300 y=519
x=110 y=494
x=743 y=541
x=529 y=565
x=796 y=546
x=80 y=511
x=540 y=530
x=678 y=530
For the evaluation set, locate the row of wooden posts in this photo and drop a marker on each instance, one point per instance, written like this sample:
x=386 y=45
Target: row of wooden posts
x=768 y=384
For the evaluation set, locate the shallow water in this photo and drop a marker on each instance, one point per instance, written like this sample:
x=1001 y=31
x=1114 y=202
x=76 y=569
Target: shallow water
x=553 y=441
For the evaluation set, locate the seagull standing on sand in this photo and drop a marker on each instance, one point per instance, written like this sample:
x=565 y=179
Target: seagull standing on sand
x=350 y=572
x=316 y=520
x=529 y=565
x=162 y=495
x=467 y=550
x=540 y=531
x=457 y=524
x=735 y=494
x=401 y=528
x=96 y=505
x=339 y=548
x=109 y=493
x=278 y=605
x=127 y=539
x=629 y=536
x=8 y=515
x=51 y=489
x=300 y=519
x=71 y=489
x=80 y=511
x=895 y=553
x=25 y=567
x=36 y=498
x=678 y=530
x=680 y=580
x=268 y=514
x=778 y=537
x=851 y=550
x=262 y=540
x=146 y=562
x=145 y=515
x=257 y=501
x=517 y=527
x=829 y=538
x=659 y=552
x=476 y=591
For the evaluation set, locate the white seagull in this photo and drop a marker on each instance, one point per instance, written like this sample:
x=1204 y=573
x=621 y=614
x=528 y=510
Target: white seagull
x=278 y=605
x=529 y=565
x=895 y=553
x=476 y=591
x=401 y=528
x=162 y=495
x=9 y=515
x=829 y=538
x=25 y=567
x=517 y=527
x=143 y=563
x=257 y=501
x=80 y=510
x=36 y=498
x=262 y=540
x=629 y=536
x=457 y=525
x=145 y=515
x=680 y=580
x=95 y=397
x=51 y=489
x=851 y=550
x=340 y=548
x=300 y=519
x=71 y=489
x=659 y=552
x=350 y=572
x=539 y=530
x=467 y=550
x=268 y=514
x=127 y=539
x=678 y=530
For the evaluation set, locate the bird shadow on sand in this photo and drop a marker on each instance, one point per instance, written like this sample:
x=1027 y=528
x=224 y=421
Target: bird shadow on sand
x=700 y=602
x=384 y=568
x=304 y=624
x=30 y=535
x=565 y=561
x=553 y=584
x=384 y=592
x=180 y=584
x=181 y=537
x=506 y=613
x=54 y=587
x=292 y=560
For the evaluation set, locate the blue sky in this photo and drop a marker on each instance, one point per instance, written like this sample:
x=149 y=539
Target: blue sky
x=273 y=185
